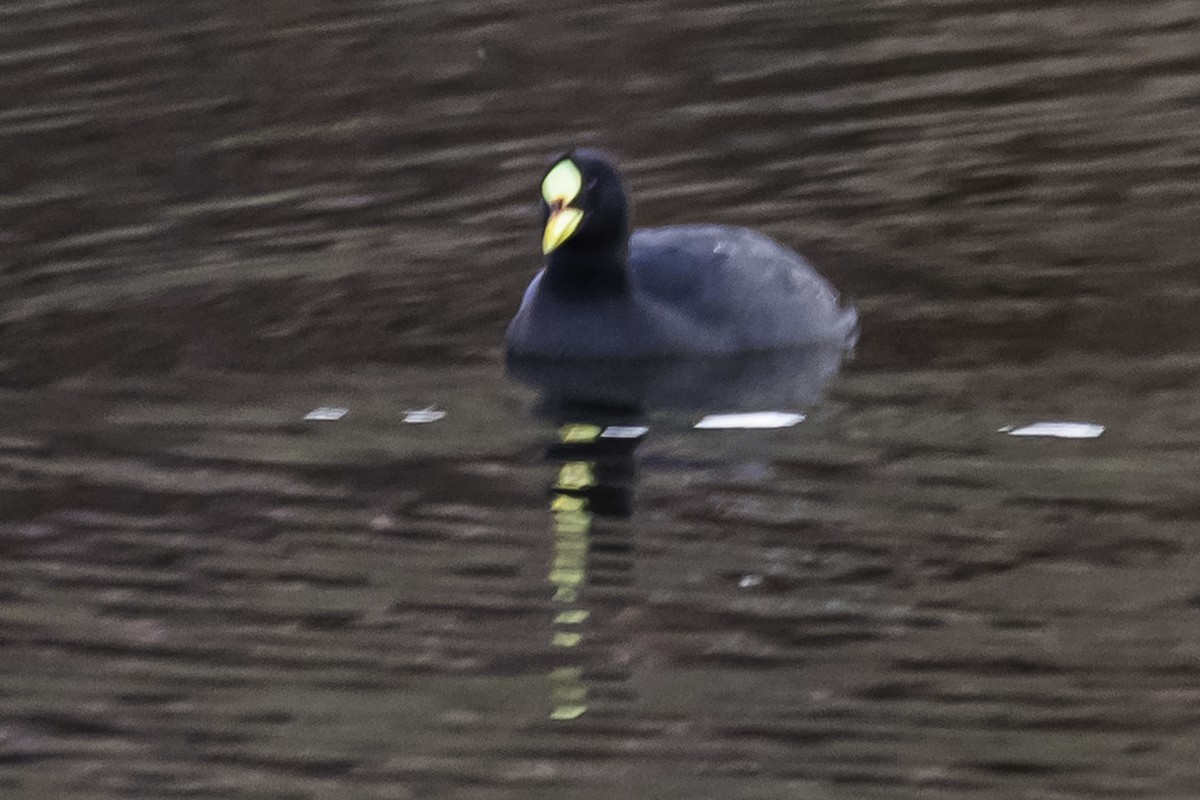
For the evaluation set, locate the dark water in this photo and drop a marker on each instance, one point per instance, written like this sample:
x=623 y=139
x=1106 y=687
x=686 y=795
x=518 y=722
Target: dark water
x=219 y=216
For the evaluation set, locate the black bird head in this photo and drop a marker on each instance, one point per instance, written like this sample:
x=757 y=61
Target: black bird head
x=585 y=211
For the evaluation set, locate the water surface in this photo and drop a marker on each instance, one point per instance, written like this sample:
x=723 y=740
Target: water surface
x=217 y=219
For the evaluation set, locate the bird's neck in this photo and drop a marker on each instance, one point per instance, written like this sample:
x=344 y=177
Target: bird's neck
x=588 y=272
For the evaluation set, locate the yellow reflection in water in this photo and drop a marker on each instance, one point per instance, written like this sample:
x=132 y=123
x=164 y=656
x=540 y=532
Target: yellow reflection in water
x=568 y=693
x=572 y=526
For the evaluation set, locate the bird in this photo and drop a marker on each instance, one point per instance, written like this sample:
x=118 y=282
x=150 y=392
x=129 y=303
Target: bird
x=605 y=292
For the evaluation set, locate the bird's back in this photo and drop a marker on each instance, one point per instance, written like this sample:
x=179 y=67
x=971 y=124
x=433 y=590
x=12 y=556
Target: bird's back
x=740 y=288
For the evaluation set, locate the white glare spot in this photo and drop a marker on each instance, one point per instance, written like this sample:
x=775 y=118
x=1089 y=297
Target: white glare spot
x=757 y=419
x=750 y=581
x=624 y=432
x=326 y=413
x=1060 y=430
x=423 y=415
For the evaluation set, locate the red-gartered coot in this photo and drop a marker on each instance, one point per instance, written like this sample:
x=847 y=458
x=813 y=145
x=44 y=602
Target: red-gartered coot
x=682 y=290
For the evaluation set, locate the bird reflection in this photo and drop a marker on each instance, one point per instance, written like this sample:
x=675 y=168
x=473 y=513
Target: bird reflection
x=591 y=502
x=632 y=389
x=604 y=410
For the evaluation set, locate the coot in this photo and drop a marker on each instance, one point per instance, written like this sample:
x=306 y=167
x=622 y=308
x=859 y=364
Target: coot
x=686 y=290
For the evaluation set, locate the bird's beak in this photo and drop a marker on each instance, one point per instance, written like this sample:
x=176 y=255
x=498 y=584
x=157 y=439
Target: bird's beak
x=562 y=223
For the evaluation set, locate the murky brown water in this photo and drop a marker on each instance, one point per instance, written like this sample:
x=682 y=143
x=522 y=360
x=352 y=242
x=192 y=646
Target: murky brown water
x=219 y=216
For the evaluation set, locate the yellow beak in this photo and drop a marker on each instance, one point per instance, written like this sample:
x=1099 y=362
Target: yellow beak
x=559 y=227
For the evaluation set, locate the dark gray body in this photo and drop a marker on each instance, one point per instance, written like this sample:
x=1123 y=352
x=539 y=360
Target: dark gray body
x=692 y=290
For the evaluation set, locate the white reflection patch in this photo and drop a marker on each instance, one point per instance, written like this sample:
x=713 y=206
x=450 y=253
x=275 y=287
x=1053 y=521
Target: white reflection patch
x=624 y=432
x=756 y=419
x=326 y=413
x=1058 y=430
x=420 y=416
x=750 y=581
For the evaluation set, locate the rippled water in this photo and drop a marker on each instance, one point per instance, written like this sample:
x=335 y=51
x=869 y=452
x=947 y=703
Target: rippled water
x=220 y=217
